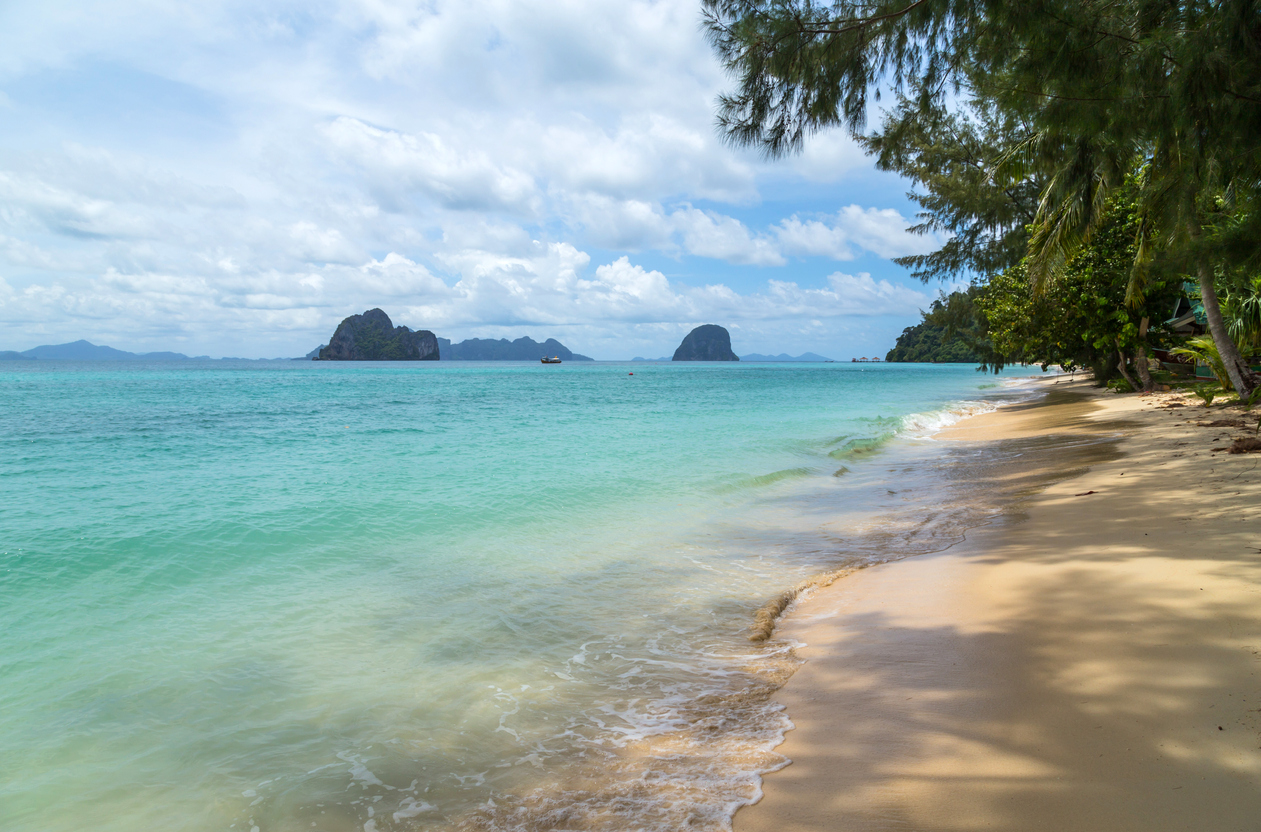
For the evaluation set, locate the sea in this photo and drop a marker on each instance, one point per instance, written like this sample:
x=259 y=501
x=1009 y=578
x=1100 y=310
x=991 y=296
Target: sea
x=294 y=595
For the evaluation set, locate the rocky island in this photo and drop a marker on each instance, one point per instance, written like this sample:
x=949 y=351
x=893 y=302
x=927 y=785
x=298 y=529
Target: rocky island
x=706 y=343
x=372 y=336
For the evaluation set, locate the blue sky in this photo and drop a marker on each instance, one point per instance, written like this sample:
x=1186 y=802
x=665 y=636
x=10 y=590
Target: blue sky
x=234 y=178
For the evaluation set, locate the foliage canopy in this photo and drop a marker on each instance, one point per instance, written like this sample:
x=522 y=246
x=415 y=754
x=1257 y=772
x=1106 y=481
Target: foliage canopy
x=1066 y=99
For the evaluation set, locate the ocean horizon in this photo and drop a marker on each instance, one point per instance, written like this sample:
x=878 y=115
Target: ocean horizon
x=422 y=595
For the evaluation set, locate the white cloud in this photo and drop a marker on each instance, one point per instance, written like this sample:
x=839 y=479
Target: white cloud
x=393 y=276
x=627 y=224
x=555 y=287
x=553 y=291
x=851 y=231
x=254 y=170
x=828 y=157
x=315 y=244
x=25 y=254
x=709 y=234
x=642 y=157
x=463 y=180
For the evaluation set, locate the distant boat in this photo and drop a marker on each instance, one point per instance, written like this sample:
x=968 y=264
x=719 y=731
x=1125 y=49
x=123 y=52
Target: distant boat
x=555 y=359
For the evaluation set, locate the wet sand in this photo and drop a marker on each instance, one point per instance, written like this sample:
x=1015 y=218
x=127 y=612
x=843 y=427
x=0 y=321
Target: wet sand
x=1089 y=662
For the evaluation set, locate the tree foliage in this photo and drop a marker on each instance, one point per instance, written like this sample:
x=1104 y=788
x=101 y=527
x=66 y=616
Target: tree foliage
x=952 y=157
x=1082 y=320
x=932 y=341
x=1241 y=307
x=1083 y=95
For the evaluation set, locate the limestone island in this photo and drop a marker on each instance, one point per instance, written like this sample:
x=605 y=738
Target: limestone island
x=372 y=336
x=709 y=342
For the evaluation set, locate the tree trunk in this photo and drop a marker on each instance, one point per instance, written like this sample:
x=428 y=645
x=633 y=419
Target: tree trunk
x=1140 y=357
x=1144 y=373
x=1121 y=366
x=1240 y=375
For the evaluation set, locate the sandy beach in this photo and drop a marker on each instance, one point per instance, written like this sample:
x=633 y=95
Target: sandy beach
x=1091 y=661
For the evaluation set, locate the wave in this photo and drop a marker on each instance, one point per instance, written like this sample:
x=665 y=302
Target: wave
x=692 y=758
x=862 y=446
x=763 y=480
x=884 y=430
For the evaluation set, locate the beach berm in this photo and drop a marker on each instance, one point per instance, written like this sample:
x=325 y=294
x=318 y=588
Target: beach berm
x=1091 y=661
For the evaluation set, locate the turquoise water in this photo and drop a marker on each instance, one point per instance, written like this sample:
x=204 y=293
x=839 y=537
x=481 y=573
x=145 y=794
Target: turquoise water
x=297 y=595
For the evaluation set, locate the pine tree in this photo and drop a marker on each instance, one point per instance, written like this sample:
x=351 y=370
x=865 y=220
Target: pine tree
x=1103 y=89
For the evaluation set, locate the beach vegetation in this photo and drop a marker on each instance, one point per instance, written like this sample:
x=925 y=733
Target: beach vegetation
x=1081 y=320
x=1204 y=351
x=1206 y=393
x=933 y=341
x=1251 y=401
x=1021 y=123
x=1241 y=306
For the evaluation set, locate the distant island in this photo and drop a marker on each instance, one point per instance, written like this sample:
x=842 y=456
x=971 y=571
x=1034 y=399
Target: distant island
x=372 y=336
x=756 y=356
x=708 y=342
x=474 y=349
x=805 y=356
x=522 y=349
x=86 y=351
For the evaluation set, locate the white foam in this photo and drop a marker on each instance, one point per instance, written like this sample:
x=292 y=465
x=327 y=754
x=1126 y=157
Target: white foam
x=639 y=722
x=411 y=808
x=360 y=772
x=925 y=425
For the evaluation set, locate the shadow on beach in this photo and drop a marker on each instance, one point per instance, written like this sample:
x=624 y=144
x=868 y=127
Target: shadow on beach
x=1091 y=664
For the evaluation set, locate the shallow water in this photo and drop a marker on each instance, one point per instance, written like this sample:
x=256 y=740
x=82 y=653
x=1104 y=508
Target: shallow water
x=299 y=595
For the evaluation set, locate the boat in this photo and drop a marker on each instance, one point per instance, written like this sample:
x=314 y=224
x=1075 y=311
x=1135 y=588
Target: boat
x=555 y=359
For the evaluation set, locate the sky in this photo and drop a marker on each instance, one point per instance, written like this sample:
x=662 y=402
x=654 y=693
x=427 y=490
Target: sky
x=235 y=178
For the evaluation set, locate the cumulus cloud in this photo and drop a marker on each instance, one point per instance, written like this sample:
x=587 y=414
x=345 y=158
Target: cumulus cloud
x=627 y=224
x=851 y=231
x=255 y=171
x=398 y=164
x=883 y=231
x=709 y=234
x=553 y=290
x=556 y=287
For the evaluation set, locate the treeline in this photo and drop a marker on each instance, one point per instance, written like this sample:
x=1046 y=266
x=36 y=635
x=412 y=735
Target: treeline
x=933 y=342
x=1084 y=159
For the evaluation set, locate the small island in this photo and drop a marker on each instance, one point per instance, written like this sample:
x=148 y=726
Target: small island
x=709 y=342
x=372 y=336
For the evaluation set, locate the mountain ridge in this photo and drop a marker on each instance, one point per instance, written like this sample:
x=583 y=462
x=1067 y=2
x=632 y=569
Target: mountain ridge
x=83 y=350
x=524 y=348
x=784 y=357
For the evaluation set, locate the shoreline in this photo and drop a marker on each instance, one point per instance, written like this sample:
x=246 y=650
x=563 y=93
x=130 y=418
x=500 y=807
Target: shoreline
x=768 y=617
x=1066 y=667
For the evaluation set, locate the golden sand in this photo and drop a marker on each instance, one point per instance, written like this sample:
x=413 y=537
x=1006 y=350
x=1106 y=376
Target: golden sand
x=1091 y=664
